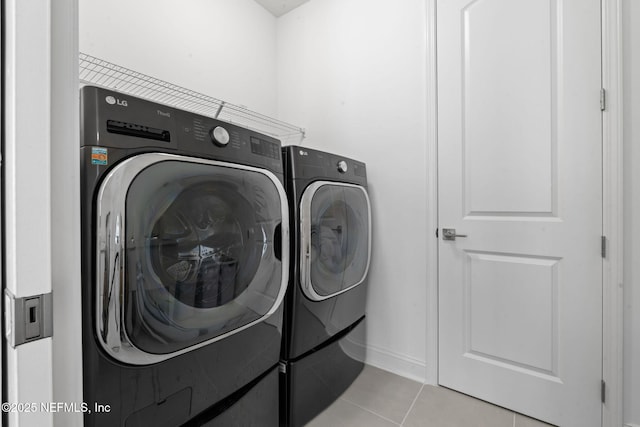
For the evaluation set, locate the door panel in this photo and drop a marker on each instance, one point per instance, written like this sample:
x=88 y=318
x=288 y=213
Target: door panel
x=519 y=171
x=188 y=253
x=504 y=327
x=508 y=110
x=336 y=238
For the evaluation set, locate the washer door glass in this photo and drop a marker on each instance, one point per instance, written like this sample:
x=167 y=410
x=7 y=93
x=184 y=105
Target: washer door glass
x=202 y=247
x=336 y=238
x=202 y=244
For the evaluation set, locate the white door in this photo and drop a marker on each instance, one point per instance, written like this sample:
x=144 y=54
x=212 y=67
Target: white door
x=520 y=155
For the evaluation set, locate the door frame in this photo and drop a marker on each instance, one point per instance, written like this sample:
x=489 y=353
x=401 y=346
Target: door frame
x=41 y=86
x=27 y=215
x=612 y=209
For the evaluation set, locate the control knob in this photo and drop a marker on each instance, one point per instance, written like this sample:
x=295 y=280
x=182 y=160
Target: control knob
x=342 y=166
x=219 y=136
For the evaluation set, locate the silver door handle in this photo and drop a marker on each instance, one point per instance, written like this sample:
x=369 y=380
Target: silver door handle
x=450 y=234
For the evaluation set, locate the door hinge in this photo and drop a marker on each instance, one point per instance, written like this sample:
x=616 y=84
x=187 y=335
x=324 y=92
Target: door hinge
x=436 y=233
x=603 y=99
x=603 y=246
x=28 y=318
x=603 y=388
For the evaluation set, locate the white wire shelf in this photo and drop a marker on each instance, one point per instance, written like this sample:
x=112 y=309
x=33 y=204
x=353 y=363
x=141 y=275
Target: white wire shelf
x=98 y=72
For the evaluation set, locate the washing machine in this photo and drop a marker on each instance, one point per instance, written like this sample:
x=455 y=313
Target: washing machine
x=323 y=342
x=185 y=250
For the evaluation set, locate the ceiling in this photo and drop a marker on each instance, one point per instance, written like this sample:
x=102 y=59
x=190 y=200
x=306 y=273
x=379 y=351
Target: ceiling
x=280 y=7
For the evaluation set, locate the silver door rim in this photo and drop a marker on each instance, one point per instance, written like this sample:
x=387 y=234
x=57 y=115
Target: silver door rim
x=305 y=239
x=111 y=263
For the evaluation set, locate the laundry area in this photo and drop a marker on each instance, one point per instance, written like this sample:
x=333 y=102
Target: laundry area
x=320 y=212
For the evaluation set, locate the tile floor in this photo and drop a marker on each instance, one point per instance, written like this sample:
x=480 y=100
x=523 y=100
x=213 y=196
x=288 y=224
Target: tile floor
x=381 y=399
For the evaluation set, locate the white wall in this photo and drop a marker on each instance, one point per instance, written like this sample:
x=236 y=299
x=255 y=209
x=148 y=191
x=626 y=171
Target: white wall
x=631 y=59
x=353 y=73
x=222 y=48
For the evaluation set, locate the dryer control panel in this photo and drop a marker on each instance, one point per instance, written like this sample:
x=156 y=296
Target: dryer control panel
x=306 y=163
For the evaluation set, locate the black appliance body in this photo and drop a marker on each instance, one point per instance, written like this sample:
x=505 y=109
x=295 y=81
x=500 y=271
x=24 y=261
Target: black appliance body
x=185 y=266
x=325 y=304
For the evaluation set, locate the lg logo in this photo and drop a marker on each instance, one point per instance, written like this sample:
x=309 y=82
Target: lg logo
x=113 y=101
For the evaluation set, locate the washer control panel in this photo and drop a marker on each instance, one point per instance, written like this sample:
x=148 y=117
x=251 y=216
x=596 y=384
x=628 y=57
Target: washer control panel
x=113 y=120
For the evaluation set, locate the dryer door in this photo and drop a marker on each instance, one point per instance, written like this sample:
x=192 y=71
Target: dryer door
x=335 y=238
x=189 y=251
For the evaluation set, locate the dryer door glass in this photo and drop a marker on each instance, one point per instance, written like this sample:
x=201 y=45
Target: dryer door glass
x=338 y=238
x=203 y=253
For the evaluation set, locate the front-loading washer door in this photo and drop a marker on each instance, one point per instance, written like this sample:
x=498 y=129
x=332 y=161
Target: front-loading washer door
x=189 y=251
x=335 y=243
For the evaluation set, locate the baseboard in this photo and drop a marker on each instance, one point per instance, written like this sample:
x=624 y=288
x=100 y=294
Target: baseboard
x=631 y=425
x=399 y=364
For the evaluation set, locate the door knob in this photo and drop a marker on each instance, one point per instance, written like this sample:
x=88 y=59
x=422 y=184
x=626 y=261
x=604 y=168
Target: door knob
x=450 y=234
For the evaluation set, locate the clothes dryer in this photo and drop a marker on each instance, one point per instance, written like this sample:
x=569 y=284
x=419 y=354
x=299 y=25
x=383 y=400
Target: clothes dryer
x=325 y=303
x=184 y=266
